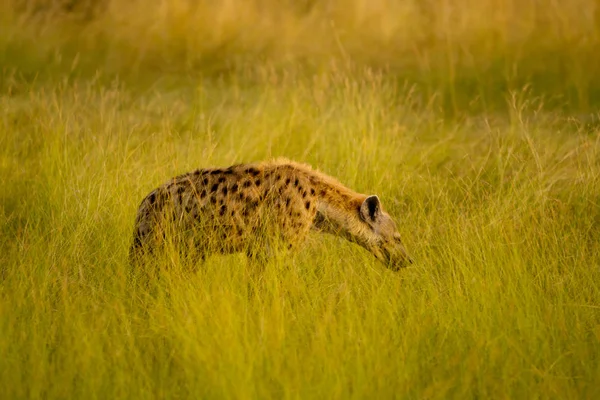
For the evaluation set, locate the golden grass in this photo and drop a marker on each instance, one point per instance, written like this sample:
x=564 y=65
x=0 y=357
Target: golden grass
x=467 y=53
x=499 y=205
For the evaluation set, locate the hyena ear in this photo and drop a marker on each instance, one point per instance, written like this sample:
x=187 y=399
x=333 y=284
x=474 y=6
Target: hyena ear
x=370 y=209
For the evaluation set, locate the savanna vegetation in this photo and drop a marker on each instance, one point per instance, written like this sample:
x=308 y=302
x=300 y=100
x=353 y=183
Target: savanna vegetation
x=475 y=121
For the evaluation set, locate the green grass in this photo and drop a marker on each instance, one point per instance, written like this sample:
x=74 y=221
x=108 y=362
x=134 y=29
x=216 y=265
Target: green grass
x=497 y=198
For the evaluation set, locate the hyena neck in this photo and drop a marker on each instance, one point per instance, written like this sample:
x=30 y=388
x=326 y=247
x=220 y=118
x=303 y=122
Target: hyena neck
x=328 y=189
x=337 y=205
x=337 y=214
x=333 y=219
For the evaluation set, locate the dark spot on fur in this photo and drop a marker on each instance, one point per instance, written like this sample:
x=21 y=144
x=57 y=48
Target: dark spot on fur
x=296 y=182
x=205 y=181
x=250 y=207
x=221 y=179
x=213 y=200
x=247 y=184
x=307 y=205
x=287 y=181
x=257 y=182
x=214 y=187
x=233 y=213
x=203 y=193
x=252 y=171
x=188 y=208
x=152 y=198
x=197 y=172
x=241 y=195
x=303 y=194
x=287 y=202
x=225 y=191
x=323 y=192
x=312 y=191
x=136 y=241
x=228 y=171
x=278 y=177
x=222 y=210
x=180 y=189
x=234 y=188
x=216 y=171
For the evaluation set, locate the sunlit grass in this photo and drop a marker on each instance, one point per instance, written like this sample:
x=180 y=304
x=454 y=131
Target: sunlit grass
x=498 y=205
x=501 y=216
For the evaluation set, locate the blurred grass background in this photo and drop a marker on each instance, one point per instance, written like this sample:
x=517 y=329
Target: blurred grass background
x=475 y=121
x=468 y=53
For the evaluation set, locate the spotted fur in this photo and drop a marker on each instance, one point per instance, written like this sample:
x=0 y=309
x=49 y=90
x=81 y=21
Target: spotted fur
x=246 y=207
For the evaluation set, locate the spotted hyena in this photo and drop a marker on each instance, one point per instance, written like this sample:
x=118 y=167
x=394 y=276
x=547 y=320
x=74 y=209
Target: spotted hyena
x=250 y=207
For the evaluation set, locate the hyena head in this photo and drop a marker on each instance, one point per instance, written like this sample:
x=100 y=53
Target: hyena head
x=379 y=235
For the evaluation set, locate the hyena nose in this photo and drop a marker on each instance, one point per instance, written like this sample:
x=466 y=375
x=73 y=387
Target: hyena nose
x=401 y=262
x=407 y=261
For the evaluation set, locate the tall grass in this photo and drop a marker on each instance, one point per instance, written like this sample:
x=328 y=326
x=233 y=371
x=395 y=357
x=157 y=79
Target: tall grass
x=499 y=207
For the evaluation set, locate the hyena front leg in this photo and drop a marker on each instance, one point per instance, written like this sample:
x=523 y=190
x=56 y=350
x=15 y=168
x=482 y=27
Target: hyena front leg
x=261 y=252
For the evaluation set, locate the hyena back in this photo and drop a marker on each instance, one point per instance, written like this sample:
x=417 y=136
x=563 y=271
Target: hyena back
x=242 y=207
